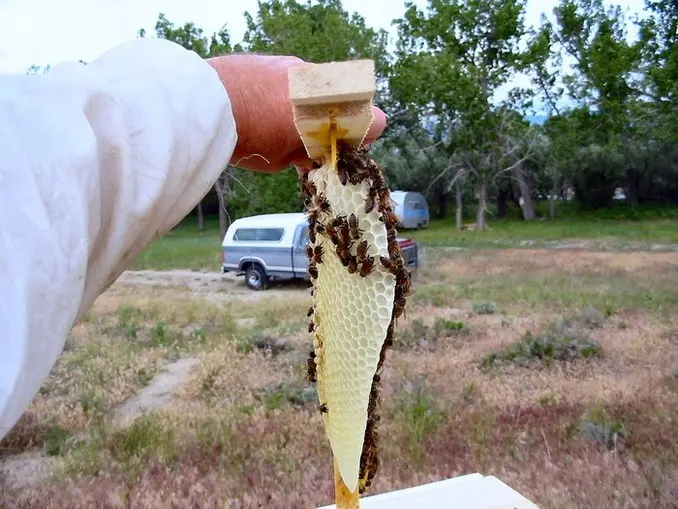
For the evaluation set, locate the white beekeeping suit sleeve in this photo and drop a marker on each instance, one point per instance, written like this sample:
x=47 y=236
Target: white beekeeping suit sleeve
x=96 y=161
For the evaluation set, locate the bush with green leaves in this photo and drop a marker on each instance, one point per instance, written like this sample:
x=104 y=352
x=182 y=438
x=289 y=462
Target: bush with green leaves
x=543 y=349
x=484 y=307
x=419 y=333
x=596 y=426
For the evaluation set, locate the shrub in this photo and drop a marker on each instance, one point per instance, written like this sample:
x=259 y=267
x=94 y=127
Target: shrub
x=595 y=426
x=273 y=397
x=557 y=344
x=446 y=326
x=484 y=308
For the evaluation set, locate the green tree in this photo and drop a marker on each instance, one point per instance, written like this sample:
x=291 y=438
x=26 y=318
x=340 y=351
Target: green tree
x=321 y=31
x=585 y=54
x=193 y=38
x=452 y=62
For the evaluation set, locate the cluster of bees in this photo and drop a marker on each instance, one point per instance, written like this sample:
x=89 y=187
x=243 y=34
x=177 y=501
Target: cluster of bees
x=354 y=166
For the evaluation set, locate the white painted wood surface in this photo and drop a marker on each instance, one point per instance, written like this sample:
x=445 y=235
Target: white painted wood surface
x=473 y=491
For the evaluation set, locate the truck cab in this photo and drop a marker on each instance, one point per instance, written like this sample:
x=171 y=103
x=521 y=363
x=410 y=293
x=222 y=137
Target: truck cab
x=273 y=246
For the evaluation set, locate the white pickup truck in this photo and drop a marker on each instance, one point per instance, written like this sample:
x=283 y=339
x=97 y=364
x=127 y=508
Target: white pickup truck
x=273 y=246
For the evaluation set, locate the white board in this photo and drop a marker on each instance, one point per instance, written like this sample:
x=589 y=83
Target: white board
x=472 y=491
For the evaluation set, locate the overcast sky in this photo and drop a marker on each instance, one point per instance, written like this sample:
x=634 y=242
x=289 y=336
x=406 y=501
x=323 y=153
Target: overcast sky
x=50 y=31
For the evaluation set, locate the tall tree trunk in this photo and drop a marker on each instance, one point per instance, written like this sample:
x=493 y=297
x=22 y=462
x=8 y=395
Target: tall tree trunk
x=527 y=206
x=482 y=208
x=502 y=199
x=458 y=196
x=201 y=217
x=442 y=200
x=552 y=199
x=632 y=188
x=221 y=187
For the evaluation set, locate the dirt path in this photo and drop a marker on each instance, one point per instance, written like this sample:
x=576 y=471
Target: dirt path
x=210 y=285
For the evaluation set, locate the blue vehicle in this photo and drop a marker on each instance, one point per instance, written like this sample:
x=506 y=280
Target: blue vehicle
x=411 y=209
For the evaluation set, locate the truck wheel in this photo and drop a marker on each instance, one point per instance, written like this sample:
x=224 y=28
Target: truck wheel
x=255 y=277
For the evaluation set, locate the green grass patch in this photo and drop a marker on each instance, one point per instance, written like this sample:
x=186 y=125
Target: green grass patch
x=150 y=437
x=186 y=247
x=604 y=233
x=418 y=413
x=556 y=291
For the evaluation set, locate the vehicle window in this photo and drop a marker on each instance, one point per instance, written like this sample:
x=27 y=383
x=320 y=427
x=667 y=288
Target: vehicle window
x=304 y=237
x=258 y=234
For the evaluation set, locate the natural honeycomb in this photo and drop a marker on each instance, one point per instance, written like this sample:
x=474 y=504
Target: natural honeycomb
x=358 y=275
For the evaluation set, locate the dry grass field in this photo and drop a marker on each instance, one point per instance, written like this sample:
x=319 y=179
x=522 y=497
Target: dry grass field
x=556 y=371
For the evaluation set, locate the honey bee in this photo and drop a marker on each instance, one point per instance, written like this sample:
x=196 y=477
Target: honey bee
x=313 y=270
x=332 y=232
x=361 y=251
x=393 y=247
x=342 y=174
x=311 y=326
x=310 y=311
x=318 y=254
x=323 y=408
x=389 y=218
x=338 y=221
x=398 y=308
x=353 y=226
x=387 y=263
x=345 y=234
x=353 y=265
x=367 y=266
x=391 y=235
x=322 y=204
x=313 y=216
x=370 y=201
x=312 y=234
x=357 y=176
x=344 y=254
x=311 y=368
x=405 y=286
x=385 y=201
x=308 y=187
x=309 y=252
x=389 y=332
x=371 y=406
x=401 y=273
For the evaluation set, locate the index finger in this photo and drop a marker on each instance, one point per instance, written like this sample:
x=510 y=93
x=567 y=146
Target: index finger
x=377 y=127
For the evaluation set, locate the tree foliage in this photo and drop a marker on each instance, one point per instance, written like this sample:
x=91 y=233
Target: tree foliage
x=483 y=108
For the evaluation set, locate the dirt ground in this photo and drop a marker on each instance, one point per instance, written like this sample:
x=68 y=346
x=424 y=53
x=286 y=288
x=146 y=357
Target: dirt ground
x=207 y=285
x=186 y=389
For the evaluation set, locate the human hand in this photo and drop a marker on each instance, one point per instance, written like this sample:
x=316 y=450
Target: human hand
x=268 y=141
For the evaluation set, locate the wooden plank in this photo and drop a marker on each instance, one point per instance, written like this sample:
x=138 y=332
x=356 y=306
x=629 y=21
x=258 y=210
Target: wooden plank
x=336 y=92
x=333 y=82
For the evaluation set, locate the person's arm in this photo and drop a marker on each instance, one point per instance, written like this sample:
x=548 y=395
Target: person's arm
x=96 y=161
